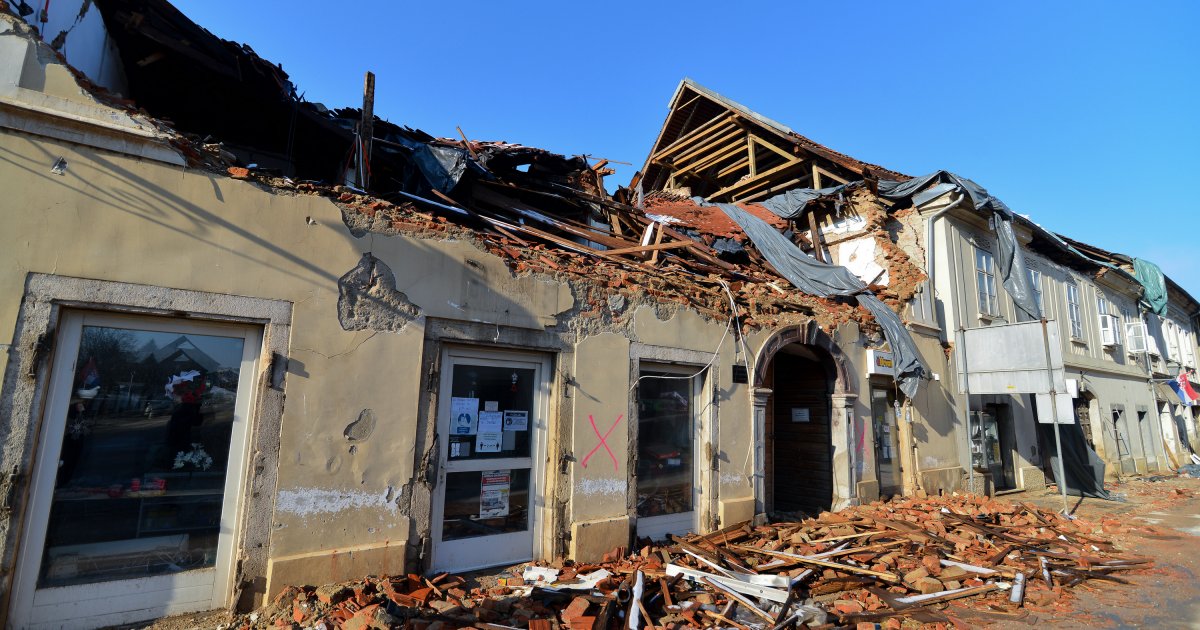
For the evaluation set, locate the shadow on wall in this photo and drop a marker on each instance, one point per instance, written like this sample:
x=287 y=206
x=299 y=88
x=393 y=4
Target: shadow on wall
x=213 y=223
x=144 y=199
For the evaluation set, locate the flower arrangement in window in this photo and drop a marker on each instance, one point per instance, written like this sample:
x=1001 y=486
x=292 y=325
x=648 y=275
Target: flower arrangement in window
x=197 y=458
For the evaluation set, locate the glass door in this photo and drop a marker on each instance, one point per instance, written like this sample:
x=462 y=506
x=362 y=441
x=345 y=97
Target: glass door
x=135 y=485
x=491 y=429
x=667 y=434
x=887 y=443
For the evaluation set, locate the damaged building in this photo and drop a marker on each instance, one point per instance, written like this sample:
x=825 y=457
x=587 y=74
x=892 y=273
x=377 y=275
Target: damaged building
x=251 y=341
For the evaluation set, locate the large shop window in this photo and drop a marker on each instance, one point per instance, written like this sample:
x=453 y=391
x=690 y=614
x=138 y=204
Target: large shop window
x=136 y=488
x=141 y=474
x=666 y=470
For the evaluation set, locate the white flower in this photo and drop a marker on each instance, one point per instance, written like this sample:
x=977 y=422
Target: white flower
x=197 y=458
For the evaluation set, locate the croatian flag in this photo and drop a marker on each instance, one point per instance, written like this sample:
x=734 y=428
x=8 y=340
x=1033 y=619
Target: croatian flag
x=1183 y=388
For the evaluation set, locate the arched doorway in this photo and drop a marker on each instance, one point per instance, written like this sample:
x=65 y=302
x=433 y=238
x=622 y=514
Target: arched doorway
x=801 y=417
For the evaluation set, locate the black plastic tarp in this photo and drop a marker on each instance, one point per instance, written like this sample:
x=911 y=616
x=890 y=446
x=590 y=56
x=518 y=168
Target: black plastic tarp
x=1011 y=260
x=791 y=204
x=823 y=280
x=1084 y=469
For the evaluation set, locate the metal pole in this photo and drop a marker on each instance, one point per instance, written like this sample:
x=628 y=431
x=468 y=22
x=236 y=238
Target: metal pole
x=1062 y=469
x=966 y=394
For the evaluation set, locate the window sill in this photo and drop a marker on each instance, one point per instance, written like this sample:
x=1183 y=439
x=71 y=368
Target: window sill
x=1079 y=340
x=923 y=326
x=989 y=318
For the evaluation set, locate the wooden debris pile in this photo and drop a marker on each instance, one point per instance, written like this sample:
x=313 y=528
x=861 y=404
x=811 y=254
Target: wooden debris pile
x=894 y=563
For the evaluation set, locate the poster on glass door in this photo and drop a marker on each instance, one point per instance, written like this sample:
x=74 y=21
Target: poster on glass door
x=463 y=412
x=493 y=493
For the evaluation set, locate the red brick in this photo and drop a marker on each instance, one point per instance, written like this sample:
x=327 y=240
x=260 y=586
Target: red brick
x=577 y=608
x=582 y=623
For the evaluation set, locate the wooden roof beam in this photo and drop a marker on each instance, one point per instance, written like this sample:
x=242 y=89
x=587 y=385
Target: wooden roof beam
x=707 y=146
x=698 y=133
x=718 y=156
x=758 y=179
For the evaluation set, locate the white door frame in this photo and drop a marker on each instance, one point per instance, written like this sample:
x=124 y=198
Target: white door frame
x=145 y=594
x=491 y=549
x=657 y=527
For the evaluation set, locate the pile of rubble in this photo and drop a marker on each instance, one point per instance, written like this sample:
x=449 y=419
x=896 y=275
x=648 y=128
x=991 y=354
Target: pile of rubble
x=896 y=563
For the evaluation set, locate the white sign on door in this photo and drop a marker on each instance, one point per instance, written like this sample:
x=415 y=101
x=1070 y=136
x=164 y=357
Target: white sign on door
x=463 y=412
x=493 y=493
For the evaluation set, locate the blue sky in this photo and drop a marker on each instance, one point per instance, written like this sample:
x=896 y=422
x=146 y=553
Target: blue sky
x=1081 y=115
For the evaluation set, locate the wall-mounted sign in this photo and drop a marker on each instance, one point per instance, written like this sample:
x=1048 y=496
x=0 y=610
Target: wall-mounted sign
x=880 y=362
x=739 y=374
x=800 y=414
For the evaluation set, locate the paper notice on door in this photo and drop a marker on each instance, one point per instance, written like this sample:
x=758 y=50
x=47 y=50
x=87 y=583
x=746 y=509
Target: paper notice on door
x=491 y=422
x=493 y=493
x=516 y=420
x=460 y=448
x=491 y=405
x=488 y=442
x=463 y=415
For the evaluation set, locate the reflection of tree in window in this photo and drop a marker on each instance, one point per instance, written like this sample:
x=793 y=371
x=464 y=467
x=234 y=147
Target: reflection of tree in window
x=664 y=466
x=125 y=504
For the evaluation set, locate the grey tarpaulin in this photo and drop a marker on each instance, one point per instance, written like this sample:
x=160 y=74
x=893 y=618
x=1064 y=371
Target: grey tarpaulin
x=791 y=204
x=1154 y=294
x=1012 y=261
x=822 y=279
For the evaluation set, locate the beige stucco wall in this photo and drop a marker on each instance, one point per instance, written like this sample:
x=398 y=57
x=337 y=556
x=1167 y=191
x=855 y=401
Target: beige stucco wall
x=114 y=217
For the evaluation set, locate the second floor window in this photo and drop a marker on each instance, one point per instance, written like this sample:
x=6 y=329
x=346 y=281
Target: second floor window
x=985 y=282
x=1073 y=312
x=1035 y=286
x=1110 y=326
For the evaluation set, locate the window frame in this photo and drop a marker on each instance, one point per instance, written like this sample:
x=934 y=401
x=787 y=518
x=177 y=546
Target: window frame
x=987 y=300
x=1110 y=326
x=698 y=378
x=1035 y=285
x=1074 y=313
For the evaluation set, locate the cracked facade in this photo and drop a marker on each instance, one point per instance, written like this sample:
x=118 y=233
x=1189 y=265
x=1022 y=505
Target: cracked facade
x=341 y=332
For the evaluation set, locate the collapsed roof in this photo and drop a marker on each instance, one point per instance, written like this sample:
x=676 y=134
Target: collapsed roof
x=237 y=110
x=721 y=150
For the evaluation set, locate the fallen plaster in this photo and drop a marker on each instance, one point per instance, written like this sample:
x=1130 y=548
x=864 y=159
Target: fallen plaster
x=312 y=501
x=362 y=427
x=602 y=486
x=368 y=298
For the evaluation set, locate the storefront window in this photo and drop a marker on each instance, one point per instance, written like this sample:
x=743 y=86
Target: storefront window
x=665 y=466
x=141 y=473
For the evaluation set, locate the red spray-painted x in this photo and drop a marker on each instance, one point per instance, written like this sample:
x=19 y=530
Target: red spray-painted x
x=603 y=441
